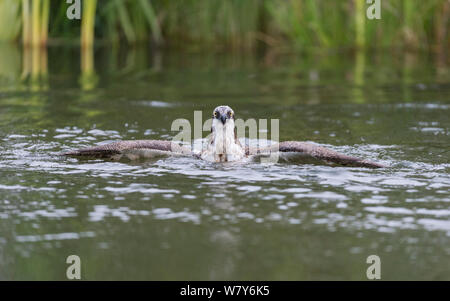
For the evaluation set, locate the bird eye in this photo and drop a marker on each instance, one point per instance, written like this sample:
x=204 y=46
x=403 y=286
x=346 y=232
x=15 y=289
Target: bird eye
x=216 y=114
x=230 y=114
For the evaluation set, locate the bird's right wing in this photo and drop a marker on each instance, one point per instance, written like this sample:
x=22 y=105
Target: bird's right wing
x=306 y=149
x=132 y=149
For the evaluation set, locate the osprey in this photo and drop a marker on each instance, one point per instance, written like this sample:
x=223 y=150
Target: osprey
x=223 y=146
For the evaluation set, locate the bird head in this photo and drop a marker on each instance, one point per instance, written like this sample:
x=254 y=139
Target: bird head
x=223 y=128
x=223 y=117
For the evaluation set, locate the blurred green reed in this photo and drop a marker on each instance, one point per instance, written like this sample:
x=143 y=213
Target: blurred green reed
x=33 y=18
x=88 y=23
x=10 y=22
x=238 y=24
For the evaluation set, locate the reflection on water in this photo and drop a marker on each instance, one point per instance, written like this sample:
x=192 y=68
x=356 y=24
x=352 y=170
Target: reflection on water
x=181 y=218
x=88 y=78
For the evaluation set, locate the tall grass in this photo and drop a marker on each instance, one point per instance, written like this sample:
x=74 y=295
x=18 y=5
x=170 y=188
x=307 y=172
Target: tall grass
x=9 y=19
x=232 y=23
x=45 y=15
x=26 y=22
x=34 y=21
x=344 y=23
x=88 y=23
x=135 y=20
x=360 y=19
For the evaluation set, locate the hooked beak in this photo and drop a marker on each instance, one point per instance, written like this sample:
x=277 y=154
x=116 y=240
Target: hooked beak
x=223 y=118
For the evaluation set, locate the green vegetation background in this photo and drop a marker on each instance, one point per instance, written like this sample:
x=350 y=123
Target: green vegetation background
x=231 y=24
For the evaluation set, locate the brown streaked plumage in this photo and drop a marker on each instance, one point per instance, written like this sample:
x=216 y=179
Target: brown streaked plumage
x=111 y=150
x=317 y=152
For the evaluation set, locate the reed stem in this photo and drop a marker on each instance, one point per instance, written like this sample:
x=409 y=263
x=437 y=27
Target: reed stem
x=88 y=23
x=36 y=21
x=26 y=22
x=44 y=21
x=360 y=23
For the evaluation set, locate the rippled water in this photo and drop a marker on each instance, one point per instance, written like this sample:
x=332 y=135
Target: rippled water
x=181 y=218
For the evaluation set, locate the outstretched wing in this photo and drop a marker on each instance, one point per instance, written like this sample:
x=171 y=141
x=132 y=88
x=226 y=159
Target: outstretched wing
x=132 y=149
x=317 y=152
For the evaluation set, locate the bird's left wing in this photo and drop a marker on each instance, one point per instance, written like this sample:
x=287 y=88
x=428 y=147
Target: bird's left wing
x=314 y=151
x=132 y=149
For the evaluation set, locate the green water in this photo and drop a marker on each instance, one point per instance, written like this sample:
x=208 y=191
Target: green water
x=185 y=219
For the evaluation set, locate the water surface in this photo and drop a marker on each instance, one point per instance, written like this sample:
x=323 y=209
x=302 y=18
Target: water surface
x=185 y=219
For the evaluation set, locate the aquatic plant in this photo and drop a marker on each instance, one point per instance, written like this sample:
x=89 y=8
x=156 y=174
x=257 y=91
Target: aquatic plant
x=237 y=24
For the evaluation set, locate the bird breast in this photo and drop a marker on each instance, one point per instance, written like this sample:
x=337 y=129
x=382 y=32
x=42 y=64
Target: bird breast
x=223 y=147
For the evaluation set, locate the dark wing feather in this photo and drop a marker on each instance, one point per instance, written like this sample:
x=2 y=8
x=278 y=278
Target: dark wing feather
x=117 y=148
x=318 y=152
